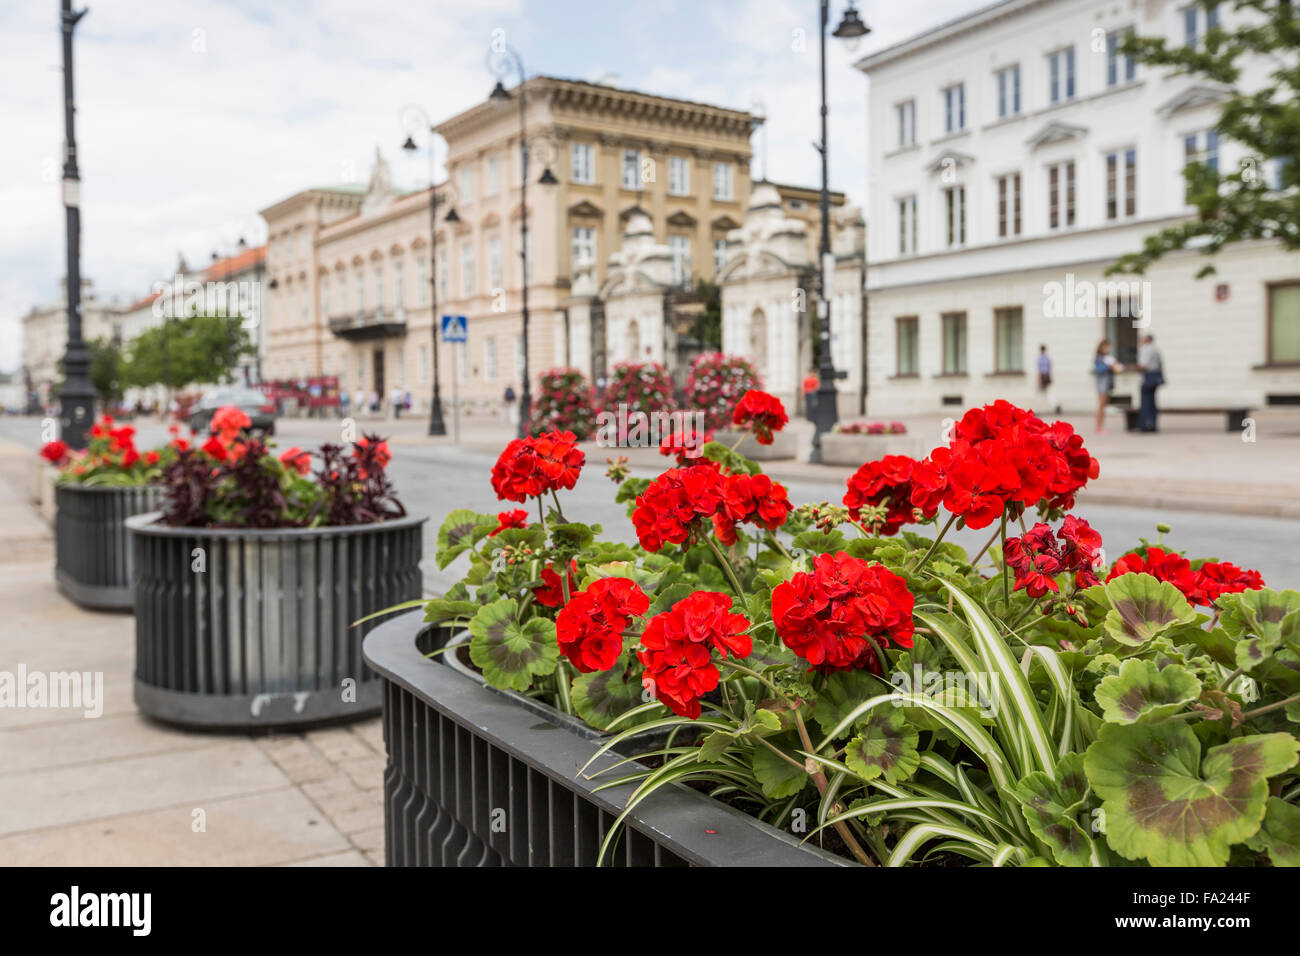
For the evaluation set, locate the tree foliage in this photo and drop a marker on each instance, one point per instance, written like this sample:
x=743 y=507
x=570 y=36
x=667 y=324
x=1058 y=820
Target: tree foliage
x=1248 y=202
x=189 y=350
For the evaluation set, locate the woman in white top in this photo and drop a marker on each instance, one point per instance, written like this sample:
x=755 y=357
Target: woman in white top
x=1104 y=368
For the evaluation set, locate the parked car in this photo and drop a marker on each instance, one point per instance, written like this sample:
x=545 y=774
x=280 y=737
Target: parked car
x=259 y=408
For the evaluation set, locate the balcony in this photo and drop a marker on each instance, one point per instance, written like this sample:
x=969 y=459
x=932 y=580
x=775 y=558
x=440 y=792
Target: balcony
x=369 y=324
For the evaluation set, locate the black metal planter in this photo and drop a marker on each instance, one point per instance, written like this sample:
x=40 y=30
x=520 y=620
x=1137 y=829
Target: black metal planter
x=240 y=629
x=474 y=779
x=92 y=554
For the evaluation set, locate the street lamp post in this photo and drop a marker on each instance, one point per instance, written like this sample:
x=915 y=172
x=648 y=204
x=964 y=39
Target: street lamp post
x=825 y=415
x=437 y=426
x=77 y=397
x=505 y=62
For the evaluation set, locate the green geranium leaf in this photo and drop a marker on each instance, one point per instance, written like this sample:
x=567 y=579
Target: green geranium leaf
x=1051 y=807
x=731 y=460
x=715 y=745
x=1257 y=612
x=1142 y=607
x=766 y=722
x=886 y=746
x=778 y=777
x=631 y=489
x=443 y=609
x=1164 y=805
x=841 y=692
x=1142 y=692
x=818 y=541
x=461 y=530
x=573 y=536
x=508 y=653
x=602 y=696
x=1280 y=834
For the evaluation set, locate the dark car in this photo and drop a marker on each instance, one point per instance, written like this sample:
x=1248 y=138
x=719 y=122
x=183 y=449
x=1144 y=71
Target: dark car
x=259 y=408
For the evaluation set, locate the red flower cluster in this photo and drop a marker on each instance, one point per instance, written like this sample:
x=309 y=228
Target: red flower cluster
x=1203 y=585
x=1002 y=456
x=530 y=467
x=686 y=445
x=677 y=645
x=763 y=413
x=839 y=616
x=514 y=518
x=1039 y=555
x=589 y=629
x=55 y=452
x=297 y=459
x=755 y=499
x=229 y=421
x=671 y=509
x=888 y=483
x=551 y=592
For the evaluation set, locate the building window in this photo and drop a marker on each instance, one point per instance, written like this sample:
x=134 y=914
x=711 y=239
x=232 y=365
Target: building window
x=954 y=108
x=466 y=269
x=1123 y=312
x=1197 y=21
x=399 y=299
x=519 y=357
x=490 y=358
x=679 y=176
x=1121 y=184
x=724 y=186
x=954 y=202
x=379 y=289
x=954 y=343
x=1284 y=324
x=324 y=300
x=680 y=247
x=1008 y=205
x=719 y=255
x=424 y=364
x=494 y=264
x=493 y=176
x=907 y=226
x=583 y=160
x=1009 y=340
x=906 y=123
x=466 y=184
x=1060 y=72
x=1009 y=91
x=444 y=278
x=908 y=345
x=1202 y=148
x=583 y=246
x=361 y=292
x=631 y=169
x=1119 y=68
x=1060 y=194
x=361 y=371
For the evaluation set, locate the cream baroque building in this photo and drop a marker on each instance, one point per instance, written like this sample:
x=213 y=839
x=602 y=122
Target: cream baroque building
x=347 y=267
x=45 y=336
x=1014 y=155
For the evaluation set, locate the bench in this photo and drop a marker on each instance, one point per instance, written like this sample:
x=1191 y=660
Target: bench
x=1235 y=418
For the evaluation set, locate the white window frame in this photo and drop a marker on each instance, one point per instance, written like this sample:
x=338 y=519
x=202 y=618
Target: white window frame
x=582 y=239
x=1061 y=76
x=630 y=169
x=679 y=247
x=906 y=206
x=954 y=206
x=1008 y=91
x=954 y=120
x=905 y=113
x=467 y=269
x=582 y=164
x=724 y=182
x=679 y=176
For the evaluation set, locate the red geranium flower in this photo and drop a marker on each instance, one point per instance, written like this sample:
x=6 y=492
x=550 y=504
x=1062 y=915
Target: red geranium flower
x=229 y=421
x=1216 y=578
x=668 y=511
x=551 y=592
x=55 y=452
x=687 y=446
x=677 y=645
x=1038 y=556
x=530 y=467
x=589 y=629
x=888 y=483
x=755 y=499
x=214 y=448
x=1161 y=565
x=763 y=413
x=514 y=518
x=151 y=457
x=840 y=616
x=297 y=459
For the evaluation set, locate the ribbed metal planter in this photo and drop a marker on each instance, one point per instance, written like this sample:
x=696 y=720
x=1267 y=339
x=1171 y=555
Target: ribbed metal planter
x=474 y=779
x=244 y=628
x=92 y=554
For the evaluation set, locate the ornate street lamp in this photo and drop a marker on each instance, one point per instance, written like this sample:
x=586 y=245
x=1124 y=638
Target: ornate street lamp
x=503 y=62
x=437 y=426
x=851 y=29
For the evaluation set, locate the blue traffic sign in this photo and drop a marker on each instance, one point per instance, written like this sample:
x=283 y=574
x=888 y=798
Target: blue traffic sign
x=455 y=328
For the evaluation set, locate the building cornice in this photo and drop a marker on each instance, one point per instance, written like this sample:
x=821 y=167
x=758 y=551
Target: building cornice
x=953 y=29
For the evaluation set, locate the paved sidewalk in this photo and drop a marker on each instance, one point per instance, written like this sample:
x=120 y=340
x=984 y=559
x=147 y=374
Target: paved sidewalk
x=120 y=789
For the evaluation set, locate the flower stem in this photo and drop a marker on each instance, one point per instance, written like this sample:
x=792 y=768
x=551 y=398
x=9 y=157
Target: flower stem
x=1227 y=681
x=726 y=567
x=1006 y=585
x=819 y=778
x=987 y=544
x=558 y=510
x=1025 y=613
x=935 y=547
x=1269 y=708
x=779 y=546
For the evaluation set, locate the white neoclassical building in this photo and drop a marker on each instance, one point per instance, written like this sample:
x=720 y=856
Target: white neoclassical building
x=769 y=297
x=1015 y=154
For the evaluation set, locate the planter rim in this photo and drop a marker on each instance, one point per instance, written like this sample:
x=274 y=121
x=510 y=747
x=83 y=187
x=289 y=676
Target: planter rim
x=692 y=825
x=150 y=523
x=75 y=486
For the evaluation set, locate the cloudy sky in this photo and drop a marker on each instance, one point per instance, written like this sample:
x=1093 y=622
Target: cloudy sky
x=194 y=114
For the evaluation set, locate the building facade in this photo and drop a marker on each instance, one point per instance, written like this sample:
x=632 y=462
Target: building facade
x=348 y=268
x=45 y=338
x=1014 y=155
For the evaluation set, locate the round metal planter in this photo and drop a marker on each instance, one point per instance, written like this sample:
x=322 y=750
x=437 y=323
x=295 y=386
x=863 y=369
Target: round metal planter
x=241 y=629
x=92 y=554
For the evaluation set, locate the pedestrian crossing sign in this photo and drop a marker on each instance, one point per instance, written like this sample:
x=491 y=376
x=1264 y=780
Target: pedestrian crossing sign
x=454 y=328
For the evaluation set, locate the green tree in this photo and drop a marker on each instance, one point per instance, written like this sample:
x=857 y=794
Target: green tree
x=189 y=350
x=1244 y=203
x=108 y=370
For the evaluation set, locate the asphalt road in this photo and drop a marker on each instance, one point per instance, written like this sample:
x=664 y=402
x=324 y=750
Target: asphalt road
x=435 y=479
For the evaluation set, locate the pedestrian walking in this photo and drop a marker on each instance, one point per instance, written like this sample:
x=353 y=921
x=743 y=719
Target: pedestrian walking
x=1045 y=381
x=1152 y=366
x=1104 y=368
x=395 y=397
x=508 y=405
